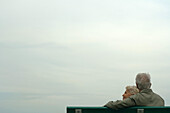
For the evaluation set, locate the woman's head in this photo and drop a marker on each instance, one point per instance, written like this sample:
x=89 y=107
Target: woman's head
x=130 y=90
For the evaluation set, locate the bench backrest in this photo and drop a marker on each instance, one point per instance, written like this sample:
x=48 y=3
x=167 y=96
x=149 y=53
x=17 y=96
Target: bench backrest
x=161 y=109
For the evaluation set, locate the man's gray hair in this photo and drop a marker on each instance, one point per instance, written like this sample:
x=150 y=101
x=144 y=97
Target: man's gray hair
x=143 y=81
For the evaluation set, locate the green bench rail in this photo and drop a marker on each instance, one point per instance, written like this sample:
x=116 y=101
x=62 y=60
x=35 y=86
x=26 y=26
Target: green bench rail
x=145 y=109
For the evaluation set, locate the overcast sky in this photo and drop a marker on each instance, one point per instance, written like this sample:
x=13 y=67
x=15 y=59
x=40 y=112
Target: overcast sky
x=59 y=53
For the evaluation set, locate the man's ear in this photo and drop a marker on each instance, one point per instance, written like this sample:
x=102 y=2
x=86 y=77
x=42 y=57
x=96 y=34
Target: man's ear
x=150 y=85
x=137 y=85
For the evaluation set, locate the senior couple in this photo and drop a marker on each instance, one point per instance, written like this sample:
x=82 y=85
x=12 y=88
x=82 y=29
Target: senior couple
x=139 y=95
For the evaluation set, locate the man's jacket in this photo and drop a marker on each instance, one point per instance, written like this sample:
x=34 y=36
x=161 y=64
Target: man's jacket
x=146 y=97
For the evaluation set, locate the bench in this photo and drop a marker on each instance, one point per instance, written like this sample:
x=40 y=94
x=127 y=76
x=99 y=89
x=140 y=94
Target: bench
x=146 y=109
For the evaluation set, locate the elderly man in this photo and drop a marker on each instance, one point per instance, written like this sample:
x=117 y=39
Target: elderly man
x=145 y=97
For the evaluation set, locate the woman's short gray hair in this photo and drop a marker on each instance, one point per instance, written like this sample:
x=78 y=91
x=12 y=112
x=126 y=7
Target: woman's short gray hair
x=132 y=89
x=143 y=80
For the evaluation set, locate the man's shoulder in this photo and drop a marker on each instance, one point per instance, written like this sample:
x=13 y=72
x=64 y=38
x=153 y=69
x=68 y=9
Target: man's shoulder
x=144 y=93
x=158 y=96
x=147 y=98
x=138 y=95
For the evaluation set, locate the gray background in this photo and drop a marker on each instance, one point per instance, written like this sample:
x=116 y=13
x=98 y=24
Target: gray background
x=57 y=53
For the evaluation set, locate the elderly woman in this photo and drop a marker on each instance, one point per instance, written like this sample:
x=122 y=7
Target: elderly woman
x=130 y=90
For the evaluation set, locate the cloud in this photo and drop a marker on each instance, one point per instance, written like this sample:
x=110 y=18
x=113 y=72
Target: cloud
x=60 y=53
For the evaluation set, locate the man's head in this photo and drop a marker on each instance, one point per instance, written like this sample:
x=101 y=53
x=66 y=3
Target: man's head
x=143 y=81
x=130 y=90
